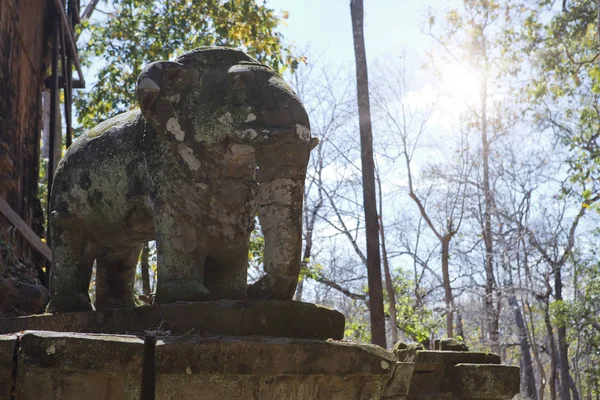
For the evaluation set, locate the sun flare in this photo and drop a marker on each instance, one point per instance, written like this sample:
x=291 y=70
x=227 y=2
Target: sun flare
x=459 y=86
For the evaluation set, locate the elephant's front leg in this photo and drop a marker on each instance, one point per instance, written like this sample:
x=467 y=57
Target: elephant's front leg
x=180 y=258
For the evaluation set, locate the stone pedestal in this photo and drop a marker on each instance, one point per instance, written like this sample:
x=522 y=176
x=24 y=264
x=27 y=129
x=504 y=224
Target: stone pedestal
x=74 y=366
x=229 y=350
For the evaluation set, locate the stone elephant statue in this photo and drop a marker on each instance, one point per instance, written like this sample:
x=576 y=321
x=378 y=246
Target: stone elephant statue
x=219 y=137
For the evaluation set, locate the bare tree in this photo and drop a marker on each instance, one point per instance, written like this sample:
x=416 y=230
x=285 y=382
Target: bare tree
x=450 y=182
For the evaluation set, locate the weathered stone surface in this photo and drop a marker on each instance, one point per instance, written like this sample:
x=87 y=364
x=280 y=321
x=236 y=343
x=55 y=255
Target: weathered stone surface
x=7 y=351
x=270 y=369
x=226 y=317
x=218 y=138
x=450 y=344
x=481 y=381
x=398 y=386
x=456 y=375
x=73 y=366
x=68 y=366
x=430 y=357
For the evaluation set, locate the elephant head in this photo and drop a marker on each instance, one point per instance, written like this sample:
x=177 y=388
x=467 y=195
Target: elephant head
x=212 y=97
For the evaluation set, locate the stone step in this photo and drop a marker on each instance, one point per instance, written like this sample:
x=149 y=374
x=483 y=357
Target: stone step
x=225 y=317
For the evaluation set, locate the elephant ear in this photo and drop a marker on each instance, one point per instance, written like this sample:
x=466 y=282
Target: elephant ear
x=160 y=88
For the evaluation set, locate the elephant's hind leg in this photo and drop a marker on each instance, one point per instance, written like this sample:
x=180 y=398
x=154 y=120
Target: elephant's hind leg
x=115 y=278
x=72 y=262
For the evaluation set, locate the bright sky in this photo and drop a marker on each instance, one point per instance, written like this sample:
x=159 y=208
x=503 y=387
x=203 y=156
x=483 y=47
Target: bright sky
x=392 y=28
x=390 y=25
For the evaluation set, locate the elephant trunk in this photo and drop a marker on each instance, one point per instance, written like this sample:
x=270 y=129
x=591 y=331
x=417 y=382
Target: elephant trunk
x=280 y=176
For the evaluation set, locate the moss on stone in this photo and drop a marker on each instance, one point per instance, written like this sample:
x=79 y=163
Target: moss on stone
x=122 y=119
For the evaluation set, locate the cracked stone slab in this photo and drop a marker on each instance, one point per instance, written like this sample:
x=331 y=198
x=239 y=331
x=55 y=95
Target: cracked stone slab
x=226 y=317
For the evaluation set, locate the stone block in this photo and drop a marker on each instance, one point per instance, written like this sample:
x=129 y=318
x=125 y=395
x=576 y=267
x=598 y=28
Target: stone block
x=270 y=369
x=483 y=382
x=74 y=366
x=398 y=386
x=7 y=352
x=226 y=317
x=456 y=357
x=458 y=375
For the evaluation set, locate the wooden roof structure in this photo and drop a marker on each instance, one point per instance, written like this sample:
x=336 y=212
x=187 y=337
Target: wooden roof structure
x=58 y=19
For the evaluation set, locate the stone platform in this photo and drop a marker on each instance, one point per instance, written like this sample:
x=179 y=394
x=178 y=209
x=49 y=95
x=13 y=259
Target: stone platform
x=226 y=317
x=229 y=350
x=39 y=365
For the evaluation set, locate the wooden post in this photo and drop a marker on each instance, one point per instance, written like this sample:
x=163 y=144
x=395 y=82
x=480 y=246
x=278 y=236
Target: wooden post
x=53 y=118
x=30 y=237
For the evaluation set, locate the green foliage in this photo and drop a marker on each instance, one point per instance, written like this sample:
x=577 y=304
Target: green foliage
x=564 y=49
x=559 y=312
x=415 y=320
x=256 y=249
x=583 y=315
x=357 y=326
x=42 y=192
x=137 y=32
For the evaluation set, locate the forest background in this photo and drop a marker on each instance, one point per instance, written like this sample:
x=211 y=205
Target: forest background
x=485 y=122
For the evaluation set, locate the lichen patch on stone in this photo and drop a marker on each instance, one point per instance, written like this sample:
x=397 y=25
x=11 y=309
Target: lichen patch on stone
x=303 y=132
x=51 y=350
x=251 y=117
x=174 y=127
x=118 y=120
x=174 y=98
x=249 y=134
x=226 y=119
x=188 y=156
x=385 y=364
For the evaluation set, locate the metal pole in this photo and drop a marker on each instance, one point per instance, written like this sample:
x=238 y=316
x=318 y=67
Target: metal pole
x=149 y=369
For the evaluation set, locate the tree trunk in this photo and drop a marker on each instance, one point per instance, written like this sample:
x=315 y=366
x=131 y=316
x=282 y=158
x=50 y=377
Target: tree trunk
x=368 y=176
x=528 y=387
x=566 y=382
x=552 y=353
x=389 y=287
x=447 y=289
x=490 y=311
x=459 y=325
x=389 y=283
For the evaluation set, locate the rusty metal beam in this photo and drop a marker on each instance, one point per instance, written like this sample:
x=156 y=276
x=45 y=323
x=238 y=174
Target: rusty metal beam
x=71 y=42
x=75 y=83
x=66 y=71
x=54 y=115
